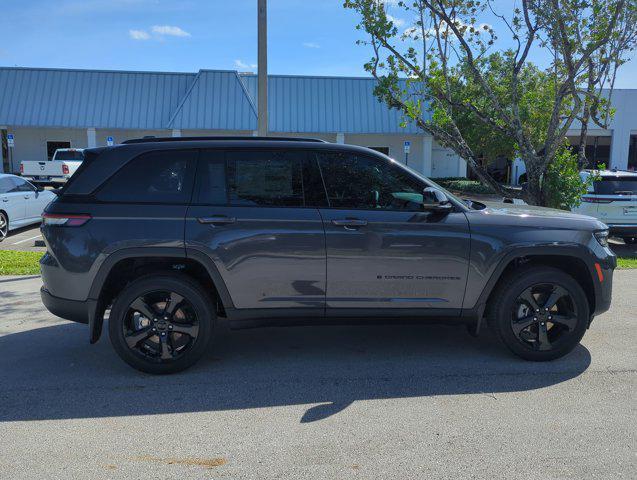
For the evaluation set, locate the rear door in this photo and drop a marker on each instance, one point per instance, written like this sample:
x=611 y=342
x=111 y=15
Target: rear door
x=383 y=250
x=254 y=217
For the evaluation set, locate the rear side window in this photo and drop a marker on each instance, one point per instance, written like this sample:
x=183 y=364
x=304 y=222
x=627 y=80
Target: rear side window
x=616 y=186
x=6 y=185
x=154 y=177
x=265 y=178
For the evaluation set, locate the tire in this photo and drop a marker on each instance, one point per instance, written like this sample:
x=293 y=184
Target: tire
x=177 y=336
x=4 y=226
x=629 y=240
x=511 y=309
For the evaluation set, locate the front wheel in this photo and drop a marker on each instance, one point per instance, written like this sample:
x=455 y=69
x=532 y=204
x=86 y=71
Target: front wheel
x=539 y=313
x=161 y=324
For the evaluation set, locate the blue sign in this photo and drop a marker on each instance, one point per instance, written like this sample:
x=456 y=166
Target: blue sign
x=10 y=140
x=407 y=146
x=109 y=141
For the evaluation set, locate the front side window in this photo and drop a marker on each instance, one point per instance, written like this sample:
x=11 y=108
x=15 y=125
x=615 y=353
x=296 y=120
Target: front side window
x=23 y=186
x=359 y=182
x=154 y=177
x=265 y=178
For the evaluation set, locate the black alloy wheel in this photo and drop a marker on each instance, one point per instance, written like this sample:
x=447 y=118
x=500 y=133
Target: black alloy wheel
x=161 y=323
x=540 y=313
x=543 y=315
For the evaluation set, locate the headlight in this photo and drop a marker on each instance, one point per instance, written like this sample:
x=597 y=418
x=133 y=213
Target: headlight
x=602 y=237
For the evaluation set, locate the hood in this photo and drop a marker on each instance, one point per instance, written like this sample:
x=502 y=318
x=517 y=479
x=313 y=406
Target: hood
x=541 y=216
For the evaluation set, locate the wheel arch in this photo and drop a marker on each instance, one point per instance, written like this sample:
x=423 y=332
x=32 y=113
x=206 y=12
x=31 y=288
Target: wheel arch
x=123 y=266
x=569 y=260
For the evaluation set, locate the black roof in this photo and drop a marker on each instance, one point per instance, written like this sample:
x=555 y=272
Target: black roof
x=221 y=138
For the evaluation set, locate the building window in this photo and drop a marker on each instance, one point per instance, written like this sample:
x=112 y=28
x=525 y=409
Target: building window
x=383 y=150
x=632 y=153
x=51 y=147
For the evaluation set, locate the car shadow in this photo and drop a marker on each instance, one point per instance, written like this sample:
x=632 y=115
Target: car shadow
x=53 y=373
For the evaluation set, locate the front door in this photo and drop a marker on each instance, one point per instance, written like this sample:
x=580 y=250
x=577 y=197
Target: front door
x=383 y=250
x=252 y=214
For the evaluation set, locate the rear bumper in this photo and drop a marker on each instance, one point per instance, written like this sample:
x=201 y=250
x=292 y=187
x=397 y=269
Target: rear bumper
x=74 y=310
x=622 y=229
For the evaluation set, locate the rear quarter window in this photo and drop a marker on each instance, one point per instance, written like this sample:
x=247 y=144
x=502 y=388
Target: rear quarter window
x=154 y=177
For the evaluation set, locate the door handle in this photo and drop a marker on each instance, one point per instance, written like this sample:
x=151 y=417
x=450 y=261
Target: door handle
x=5 y=199
x=27 y=196
x=217 y=220
x=349 y=223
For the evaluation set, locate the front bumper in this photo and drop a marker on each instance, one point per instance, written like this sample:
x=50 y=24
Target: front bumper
x=74 y=310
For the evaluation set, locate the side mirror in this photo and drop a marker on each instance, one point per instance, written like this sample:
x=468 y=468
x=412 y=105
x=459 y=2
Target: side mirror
x=434 y=200
x=39 y=188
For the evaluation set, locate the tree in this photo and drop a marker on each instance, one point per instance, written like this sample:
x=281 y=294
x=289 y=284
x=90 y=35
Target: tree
x=460 y=73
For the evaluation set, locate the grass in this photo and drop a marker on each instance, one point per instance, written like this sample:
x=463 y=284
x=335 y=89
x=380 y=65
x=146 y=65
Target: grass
x=19 y=263
x=623 y=262
x=27 y=263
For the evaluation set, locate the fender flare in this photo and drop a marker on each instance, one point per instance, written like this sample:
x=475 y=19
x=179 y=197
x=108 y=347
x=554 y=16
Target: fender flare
x=575 y=251
x=95 y=320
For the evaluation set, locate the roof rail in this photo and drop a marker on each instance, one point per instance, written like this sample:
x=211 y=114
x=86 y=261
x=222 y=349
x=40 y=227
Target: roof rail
x=195 y=139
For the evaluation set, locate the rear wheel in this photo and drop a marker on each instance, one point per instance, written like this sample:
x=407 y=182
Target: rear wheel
x=539 y=313
x=4 y=226
x=161 y=324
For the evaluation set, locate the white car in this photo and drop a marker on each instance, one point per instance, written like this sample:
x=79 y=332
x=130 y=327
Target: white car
x=21 y=203
x=612 y=198
x=56 y=171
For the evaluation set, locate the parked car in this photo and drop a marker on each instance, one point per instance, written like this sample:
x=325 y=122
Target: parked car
x=612 y=198
x=21 y=203
x=56 y=171
x=174 y=237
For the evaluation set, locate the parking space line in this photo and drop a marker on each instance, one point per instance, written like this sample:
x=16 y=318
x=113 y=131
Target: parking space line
x=25 y=240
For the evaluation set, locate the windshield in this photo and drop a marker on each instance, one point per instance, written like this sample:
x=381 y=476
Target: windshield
x=69 y=155
x=616 y=186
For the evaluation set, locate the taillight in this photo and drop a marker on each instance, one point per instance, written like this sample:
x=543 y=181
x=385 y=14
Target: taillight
x=595 y=200
x=21 y=168
x=65 y=219
x=65 y=169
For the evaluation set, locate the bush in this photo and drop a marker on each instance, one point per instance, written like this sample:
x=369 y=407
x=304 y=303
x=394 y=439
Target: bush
x=562 y=183
x=463 y=185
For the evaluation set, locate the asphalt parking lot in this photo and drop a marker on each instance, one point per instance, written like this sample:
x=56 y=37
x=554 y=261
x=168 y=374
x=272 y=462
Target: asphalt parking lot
x=324 y=402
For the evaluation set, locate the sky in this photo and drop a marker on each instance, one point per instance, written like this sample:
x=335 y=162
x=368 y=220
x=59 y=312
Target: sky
x=305 y=37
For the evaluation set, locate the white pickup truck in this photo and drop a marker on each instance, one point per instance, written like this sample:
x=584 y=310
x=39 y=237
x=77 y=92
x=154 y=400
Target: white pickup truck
x=56 y=171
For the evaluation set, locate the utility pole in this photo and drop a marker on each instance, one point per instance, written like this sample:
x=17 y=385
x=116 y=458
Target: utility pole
x=262 y=75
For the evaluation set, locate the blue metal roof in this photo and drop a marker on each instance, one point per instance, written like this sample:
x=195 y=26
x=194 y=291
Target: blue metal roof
x=208 y=100
x=326 y=104
x=217 y=100
x=88 y=98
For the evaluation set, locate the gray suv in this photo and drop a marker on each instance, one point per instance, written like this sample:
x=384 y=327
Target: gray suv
x=170 y=239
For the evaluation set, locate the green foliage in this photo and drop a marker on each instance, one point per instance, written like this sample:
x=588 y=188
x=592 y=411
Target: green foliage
x=563 y=185
x=463 y=185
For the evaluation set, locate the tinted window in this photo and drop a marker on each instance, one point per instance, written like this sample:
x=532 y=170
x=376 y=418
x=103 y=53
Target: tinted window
x=616 y=186
x=6 y=185
x=360 y=182
x=211 y=178
x=265 y=178
x=154 y=177
x=69 y=155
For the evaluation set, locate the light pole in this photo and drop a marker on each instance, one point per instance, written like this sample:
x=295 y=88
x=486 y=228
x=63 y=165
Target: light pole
x=262 y=72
